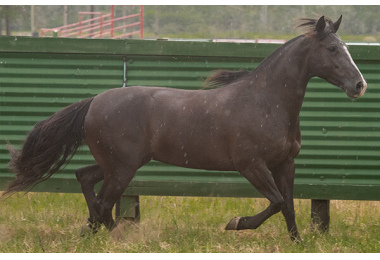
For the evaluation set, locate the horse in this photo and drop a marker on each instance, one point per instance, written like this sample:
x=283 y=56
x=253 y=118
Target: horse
x=247 y=122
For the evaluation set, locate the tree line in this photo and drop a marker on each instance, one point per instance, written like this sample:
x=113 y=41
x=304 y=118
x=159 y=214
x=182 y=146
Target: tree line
x=198 y=21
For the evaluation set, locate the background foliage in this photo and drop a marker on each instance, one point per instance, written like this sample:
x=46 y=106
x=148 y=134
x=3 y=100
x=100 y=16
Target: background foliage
x=204 y=21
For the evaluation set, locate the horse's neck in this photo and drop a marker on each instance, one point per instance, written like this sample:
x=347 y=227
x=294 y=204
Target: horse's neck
x=284 y=75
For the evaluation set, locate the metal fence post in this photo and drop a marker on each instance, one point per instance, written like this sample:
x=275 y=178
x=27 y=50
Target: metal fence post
x=128 y=207
x=320 y=215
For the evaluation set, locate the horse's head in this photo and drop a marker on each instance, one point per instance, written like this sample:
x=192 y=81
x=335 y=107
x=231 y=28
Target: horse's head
x=330 y=59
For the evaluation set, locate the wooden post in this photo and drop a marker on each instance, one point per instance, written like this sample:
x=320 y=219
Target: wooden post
x=320 y=215
x=128 y=207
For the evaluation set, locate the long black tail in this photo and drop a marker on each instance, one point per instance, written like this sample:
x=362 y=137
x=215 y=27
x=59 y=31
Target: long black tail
x=49 y=146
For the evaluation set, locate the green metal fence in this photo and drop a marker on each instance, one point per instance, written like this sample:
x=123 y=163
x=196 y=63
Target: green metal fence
x=340 y=155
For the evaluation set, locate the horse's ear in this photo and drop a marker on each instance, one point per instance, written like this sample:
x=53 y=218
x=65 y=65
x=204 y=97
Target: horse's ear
x=321 y=24
x=337 y=24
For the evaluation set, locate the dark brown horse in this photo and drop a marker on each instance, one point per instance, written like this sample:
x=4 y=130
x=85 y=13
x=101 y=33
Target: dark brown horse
x=249 y=125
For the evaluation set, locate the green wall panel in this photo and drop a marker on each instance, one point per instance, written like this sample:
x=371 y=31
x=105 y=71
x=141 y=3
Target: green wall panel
x=340 y=155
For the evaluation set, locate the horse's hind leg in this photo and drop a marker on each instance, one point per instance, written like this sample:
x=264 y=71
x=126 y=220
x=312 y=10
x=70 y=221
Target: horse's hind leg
x=88 y=177
x=260 y=177
x=284 y=177
x=113 y=187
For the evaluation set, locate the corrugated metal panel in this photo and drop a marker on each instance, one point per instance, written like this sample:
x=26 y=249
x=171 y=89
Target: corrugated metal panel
x=34 y=86
x=340 y=138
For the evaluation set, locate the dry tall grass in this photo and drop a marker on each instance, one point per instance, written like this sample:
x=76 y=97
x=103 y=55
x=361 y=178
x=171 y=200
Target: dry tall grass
x=42 y=222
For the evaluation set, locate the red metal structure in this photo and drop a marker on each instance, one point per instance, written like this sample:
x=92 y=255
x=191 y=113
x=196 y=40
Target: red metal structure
x=102 y=25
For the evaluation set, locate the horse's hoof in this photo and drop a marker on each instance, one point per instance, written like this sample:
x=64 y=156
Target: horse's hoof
x=233 y=224
x=87 y=230
x=298 y=240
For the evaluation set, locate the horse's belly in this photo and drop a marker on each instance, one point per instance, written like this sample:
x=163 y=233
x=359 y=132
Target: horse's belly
x=221 y=165
x=198 y=155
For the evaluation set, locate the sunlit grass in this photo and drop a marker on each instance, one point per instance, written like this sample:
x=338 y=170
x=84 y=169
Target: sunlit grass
x=46 y=222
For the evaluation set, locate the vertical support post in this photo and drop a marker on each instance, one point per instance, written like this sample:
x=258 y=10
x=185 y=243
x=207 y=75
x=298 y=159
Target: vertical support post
x=112 y=17
x=32 y=20
x=141 y=22
x=79 y=25
x=92 y=18
x=128 y=207
x=101 y=25
x=320 y=215
x=65 y=15
x=125 y=63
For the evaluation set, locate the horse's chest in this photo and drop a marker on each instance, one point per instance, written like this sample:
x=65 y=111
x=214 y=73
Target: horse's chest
x=277 y=146
x=286 y=148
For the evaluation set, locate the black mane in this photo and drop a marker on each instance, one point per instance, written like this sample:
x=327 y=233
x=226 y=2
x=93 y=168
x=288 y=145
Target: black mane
x=224 y=77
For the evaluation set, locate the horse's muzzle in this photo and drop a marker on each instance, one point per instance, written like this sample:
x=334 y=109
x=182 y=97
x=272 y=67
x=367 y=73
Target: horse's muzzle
x=361 y=87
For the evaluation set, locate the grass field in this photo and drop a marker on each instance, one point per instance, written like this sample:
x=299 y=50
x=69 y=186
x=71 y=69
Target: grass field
x=42 y=222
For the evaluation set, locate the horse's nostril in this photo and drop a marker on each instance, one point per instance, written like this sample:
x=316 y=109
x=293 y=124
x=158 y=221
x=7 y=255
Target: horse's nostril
x=359 y=85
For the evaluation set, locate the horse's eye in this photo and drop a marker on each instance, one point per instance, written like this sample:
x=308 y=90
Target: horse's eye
x=332 y=48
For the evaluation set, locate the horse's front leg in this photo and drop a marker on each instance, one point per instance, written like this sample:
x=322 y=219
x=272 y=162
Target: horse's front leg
x=284 y=178
x=88 y=177
x=259 y=176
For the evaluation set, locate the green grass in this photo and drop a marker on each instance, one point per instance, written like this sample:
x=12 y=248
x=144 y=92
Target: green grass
x=42 y=222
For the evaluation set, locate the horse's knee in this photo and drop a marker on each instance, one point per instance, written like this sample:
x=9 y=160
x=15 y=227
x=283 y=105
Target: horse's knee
x=287 y=211
x=277 y=206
